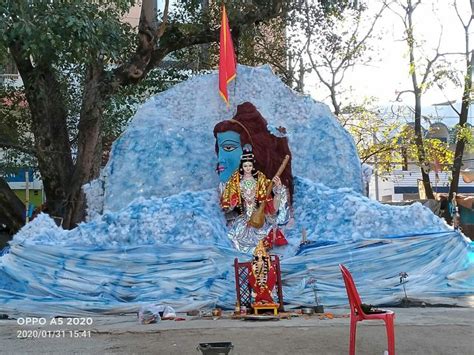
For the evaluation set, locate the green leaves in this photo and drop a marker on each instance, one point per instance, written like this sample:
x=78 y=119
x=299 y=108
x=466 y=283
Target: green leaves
x=61 y=32
x=464 y=133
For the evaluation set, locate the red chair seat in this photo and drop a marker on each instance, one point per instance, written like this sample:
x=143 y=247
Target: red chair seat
x=387 y=313
x=358 y=315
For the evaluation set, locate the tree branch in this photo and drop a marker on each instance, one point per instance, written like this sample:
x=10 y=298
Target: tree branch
x=465 y=25
x=402 y=18
x=430 y=63
x=403 y=92
x=148 y=35
x=155 y=46
x=381 y=150
x=348 y=55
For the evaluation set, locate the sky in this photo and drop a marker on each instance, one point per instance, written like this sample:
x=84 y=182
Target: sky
x=388 y=73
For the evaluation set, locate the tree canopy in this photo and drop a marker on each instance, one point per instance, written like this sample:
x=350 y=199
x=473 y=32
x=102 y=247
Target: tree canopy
x=79 y=62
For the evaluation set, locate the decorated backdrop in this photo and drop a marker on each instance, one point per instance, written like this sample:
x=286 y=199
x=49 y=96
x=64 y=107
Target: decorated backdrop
x=156 y=234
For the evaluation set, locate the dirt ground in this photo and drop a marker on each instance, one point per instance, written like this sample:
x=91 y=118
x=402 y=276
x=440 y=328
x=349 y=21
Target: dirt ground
x=418 y=331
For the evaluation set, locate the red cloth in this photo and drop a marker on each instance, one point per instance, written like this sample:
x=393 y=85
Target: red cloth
x=269 y=207
x=276 y=238
x=227 y=62
x=234 y=200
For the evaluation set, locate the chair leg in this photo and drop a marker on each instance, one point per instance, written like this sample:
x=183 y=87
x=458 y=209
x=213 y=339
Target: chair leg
x=352 y=336
x=390 y=335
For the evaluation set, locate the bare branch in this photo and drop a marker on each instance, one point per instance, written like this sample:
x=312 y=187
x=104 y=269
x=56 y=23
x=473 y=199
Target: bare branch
x=356 y=48
x=338 y=82
x=448 y=101
x=402 y=18
x=430 y=63
x=403 y=92
x=454 y=108
x=466 y=28
x=378 y=151
x=161 y=29
x=465 y=25
x=318 y=73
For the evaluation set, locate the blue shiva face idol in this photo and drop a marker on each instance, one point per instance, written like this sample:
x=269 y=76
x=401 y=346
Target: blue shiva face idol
x=228 y=156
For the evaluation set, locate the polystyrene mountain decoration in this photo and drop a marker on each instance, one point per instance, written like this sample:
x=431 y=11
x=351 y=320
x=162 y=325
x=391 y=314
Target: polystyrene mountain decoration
x=156 y=232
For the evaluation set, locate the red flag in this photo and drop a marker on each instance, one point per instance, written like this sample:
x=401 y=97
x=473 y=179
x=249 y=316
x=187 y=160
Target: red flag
x=227 y=61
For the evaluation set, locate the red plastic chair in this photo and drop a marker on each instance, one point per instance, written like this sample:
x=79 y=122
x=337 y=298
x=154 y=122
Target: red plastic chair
x=358 y=315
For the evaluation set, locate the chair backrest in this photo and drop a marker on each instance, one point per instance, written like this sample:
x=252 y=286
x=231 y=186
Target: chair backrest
x=242 y=285
x=352 y=294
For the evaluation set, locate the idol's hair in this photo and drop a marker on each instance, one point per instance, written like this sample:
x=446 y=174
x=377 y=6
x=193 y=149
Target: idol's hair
x=269 y=150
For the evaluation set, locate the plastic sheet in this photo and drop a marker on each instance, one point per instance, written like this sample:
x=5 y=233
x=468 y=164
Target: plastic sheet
x=120 y=279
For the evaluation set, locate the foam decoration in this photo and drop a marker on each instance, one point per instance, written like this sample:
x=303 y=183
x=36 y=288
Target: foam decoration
x=155 y=233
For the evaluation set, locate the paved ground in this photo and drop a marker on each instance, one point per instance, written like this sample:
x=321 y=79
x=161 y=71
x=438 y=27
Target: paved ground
x=418 y=331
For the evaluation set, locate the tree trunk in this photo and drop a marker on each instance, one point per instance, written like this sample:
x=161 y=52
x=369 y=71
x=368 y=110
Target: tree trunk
x=465 y=104
x=460 y=143
x=420 y=148
x=48 y=115
x=335 y=103
x=89 y=146
x=12 y=209
x=409 y=9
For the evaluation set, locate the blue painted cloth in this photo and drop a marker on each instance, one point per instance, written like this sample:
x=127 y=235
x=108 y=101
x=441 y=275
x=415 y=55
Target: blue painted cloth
x=160 y=251
x=120 y=279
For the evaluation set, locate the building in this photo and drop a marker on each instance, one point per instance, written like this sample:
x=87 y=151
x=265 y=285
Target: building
x=403 y=183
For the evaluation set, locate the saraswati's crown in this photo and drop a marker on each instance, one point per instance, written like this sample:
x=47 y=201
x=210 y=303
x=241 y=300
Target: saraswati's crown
x=247 y=153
